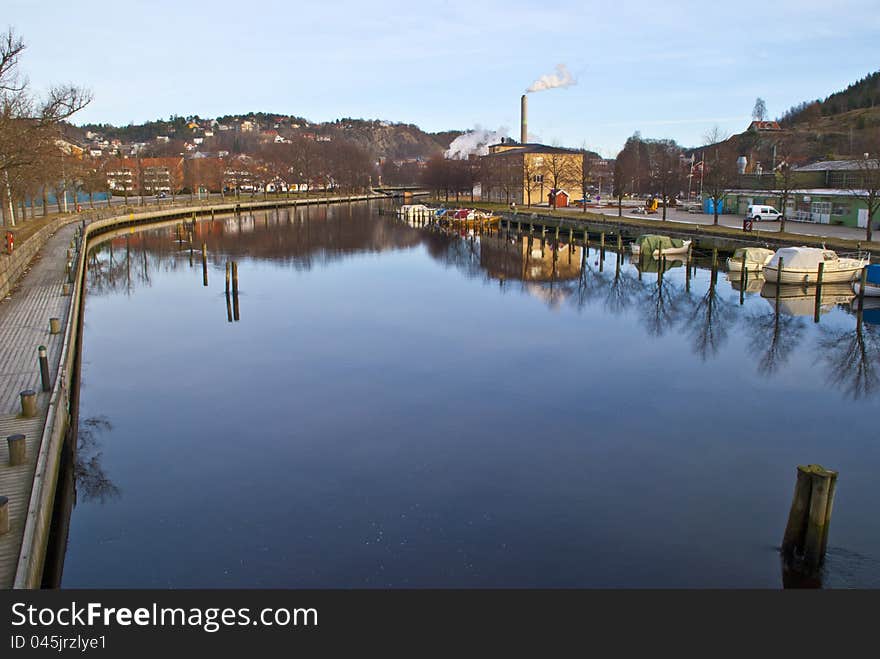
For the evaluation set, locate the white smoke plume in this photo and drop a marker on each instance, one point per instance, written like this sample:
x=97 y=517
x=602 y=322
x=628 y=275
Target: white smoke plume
x=562 y=78
x=474 y=141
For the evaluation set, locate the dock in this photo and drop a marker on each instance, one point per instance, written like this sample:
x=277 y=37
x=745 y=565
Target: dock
x=24 y=326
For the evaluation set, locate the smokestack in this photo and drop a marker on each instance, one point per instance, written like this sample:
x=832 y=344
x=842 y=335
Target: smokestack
x=523 y=132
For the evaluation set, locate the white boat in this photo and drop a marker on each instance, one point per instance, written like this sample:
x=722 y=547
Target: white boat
x=872 y=283
x=667 y=246
x=410 y=211
x=756 y=259
x=800 y=265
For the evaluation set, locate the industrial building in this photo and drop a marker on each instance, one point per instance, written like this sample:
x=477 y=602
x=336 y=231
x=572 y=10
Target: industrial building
x=528 y=174
x=828 y=193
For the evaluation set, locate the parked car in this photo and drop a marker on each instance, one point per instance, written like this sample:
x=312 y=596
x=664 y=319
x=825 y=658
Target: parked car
x=762 y=213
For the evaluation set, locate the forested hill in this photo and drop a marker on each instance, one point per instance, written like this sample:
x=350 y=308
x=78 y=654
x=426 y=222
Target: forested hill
x=861 y=95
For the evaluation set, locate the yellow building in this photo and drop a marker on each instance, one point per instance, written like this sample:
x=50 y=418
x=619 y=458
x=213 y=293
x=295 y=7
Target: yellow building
x=526 y=174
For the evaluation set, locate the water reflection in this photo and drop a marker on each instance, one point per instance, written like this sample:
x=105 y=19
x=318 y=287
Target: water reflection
x=92 y=481
x=851 y=358
x=399 y=407
x=661 y=293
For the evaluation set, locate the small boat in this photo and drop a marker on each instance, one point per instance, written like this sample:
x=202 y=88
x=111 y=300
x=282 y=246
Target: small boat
x=800 y=265
x=872 y=283
x=756 y=259
x=658 y=246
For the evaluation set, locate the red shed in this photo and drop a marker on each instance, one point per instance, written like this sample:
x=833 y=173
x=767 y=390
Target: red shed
x=561 y=198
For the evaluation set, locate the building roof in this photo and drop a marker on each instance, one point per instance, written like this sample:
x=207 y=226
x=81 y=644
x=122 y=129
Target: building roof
x=529 y=147
x=836 y=166
x=764 y=125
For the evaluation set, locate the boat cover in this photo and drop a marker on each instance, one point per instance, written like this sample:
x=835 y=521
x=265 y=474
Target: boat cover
x=752 y=254
x=649 y=242
x=873 y=274
x=801 y=258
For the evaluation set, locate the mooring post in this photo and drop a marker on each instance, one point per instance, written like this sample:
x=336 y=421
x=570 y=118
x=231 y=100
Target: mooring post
x=4 y=515
x=863 y=282
x=742 y=281
x=44 y=368
x=819 y=276
x=227 y=277
x=54 y=325
x=619 y=243
x=602 y=242
x=779 y=281
x=65 y=289
x=687 y=271
x=806 y=533
x=17 y=449
x=28 y=403
x=204 y=264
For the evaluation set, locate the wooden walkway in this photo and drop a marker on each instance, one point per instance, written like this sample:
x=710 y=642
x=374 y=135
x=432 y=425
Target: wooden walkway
x=24 y=326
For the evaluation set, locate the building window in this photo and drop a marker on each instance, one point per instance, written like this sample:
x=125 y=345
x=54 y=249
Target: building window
x=840 y=209
x=538 y=178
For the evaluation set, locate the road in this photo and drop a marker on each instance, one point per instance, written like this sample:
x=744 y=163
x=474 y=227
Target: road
x=736 y=221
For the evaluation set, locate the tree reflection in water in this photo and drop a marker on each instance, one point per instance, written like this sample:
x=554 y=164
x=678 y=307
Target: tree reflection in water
x=92 y=482
x=621 y=292
x=851 y=358
x=662 y=301
x=710 y=321
x=772 y=338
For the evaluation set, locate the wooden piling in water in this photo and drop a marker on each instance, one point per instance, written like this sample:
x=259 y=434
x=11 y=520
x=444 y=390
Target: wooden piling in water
x=227 y=277
x=779 y=281
x=742 y=281
x=54 y=326
x=602 y=241
x=863 y=282
x=204 y=264
x=806 y=533
x=820 y=274
x=687 y=272
x=17 y=445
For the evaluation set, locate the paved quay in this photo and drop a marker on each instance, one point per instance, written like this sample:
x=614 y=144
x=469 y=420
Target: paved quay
x=736 y=222
x=24 y=326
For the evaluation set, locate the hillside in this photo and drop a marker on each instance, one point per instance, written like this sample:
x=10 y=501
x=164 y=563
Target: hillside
x=381 y=139
x=844 y=124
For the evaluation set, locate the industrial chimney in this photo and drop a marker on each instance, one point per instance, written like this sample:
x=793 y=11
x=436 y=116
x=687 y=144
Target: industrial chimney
x=523 y=132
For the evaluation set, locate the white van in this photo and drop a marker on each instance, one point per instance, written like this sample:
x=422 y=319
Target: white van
x=759 y=213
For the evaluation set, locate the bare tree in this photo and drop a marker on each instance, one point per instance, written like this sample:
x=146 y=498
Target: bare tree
x=869 y=191
x=789 y=153
x=558 y=168
x=585 y=175
x=719 y=168
x=759 y=112
x=665 y=169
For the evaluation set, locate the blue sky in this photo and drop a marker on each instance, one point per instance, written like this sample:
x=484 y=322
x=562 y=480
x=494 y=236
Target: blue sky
x=671 y=69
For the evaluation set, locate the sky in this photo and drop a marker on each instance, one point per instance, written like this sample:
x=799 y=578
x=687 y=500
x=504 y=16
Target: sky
x=669 y=70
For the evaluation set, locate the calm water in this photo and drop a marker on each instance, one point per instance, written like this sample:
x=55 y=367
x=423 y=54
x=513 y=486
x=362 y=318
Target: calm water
x=396 y=407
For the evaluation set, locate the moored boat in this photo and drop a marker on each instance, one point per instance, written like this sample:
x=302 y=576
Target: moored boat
x=872 y=282
x=658 y=246
x=800 y=265
x=756 y=259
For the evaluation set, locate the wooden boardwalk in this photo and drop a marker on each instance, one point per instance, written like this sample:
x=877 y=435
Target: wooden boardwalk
x=24 y=325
